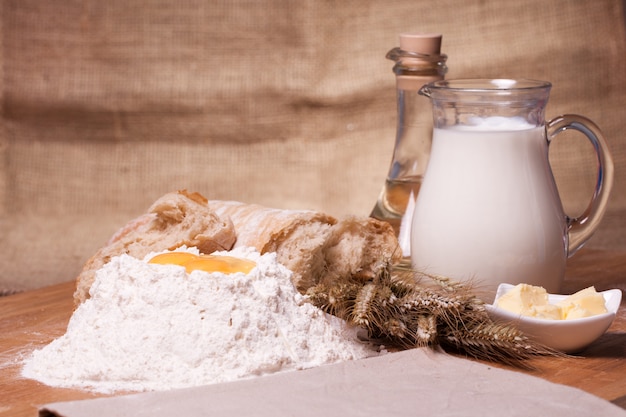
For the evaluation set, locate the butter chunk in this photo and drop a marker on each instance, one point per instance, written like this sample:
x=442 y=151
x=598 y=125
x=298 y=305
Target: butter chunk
x=529 y=300
x=584 y=303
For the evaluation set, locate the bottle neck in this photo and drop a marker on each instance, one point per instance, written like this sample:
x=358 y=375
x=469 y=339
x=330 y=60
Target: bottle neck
x=414 y=82
x=414 y=69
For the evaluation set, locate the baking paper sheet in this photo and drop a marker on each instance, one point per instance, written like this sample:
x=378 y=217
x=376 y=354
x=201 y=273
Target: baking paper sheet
x=417 y=382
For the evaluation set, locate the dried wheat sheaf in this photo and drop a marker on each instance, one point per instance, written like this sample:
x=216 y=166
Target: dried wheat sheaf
x=405 y=309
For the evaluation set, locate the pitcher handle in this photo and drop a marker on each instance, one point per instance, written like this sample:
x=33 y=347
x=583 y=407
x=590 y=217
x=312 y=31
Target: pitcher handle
x=581 y=228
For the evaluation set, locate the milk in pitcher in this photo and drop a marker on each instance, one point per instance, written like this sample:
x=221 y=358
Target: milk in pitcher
x=489 y=210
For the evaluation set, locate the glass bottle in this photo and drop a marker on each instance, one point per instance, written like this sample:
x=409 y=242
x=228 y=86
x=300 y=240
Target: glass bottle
x=418 y=61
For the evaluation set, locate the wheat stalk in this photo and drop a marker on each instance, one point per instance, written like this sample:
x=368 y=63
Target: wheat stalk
x=408 y=309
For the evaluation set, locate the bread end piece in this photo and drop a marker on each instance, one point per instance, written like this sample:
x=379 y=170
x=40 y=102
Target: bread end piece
x=176 y=219
x=358 y=247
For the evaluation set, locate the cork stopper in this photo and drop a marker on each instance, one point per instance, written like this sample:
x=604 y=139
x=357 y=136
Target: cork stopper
x=413 y=71
x=424 y=43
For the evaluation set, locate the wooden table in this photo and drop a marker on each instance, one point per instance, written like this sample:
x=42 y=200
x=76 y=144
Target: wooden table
x=32 y=319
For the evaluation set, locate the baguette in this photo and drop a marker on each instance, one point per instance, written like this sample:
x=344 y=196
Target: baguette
x=176 y=219
x=315 y=246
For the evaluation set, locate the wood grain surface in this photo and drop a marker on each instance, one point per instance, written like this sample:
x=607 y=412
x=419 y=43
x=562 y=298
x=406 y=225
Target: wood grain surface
x=33 y=319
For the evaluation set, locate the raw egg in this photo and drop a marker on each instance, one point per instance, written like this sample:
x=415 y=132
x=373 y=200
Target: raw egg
x=173 y=258
x=207 y=263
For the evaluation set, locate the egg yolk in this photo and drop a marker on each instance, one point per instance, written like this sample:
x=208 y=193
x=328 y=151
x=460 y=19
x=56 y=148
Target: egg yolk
x=173 y=258
x=207 y=263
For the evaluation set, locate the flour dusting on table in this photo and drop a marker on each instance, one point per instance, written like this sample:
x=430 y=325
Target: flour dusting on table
x=155 y=327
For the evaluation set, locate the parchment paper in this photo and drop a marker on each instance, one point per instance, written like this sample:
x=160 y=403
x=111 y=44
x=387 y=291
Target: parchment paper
x=417 y=382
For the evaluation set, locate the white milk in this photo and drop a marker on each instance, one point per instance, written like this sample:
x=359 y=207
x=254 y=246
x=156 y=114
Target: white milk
x=488 y=210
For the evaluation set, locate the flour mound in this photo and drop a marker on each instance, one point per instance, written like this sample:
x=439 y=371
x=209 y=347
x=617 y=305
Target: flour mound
x=155 y=327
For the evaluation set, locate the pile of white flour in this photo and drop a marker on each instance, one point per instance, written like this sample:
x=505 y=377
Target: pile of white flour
x=155 y=327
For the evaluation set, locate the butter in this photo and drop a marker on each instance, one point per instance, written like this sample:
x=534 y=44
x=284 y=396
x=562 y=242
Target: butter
x=532 y=301
x=584 y=303
x=529 y=300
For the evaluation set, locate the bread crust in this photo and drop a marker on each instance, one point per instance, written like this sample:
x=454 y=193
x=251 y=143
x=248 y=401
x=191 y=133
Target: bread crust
x=263 y=227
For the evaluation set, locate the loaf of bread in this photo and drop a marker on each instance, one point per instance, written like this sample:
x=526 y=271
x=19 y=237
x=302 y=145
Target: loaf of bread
x=313 y=245
x=176 y=219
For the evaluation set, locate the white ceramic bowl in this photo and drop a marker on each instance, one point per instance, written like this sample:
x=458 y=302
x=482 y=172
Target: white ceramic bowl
x=569 y=336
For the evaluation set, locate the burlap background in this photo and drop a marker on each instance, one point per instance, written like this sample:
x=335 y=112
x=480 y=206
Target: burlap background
x=106 y=105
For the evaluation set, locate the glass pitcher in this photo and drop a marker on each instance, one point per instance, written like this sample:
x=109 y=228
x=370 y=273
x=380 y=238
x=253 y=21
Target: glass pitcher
x=489 y=210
